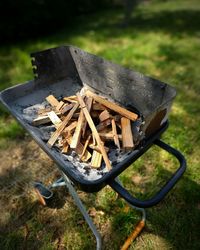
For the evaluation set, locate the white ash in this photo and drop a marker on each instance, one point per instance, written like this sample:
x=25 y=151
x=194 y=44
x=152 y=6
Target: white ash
x=81 y=168
x=31 y=112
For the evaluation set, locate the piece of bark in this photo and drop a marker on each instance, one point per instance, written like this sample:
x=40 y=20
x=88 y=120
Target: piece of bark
x=88 y=103
x=104 y=115
x=66 y=108
x=56 y=134
x=97 y=106
x=115 y=135
x=54 y=118
x=44 y=111
x=103 y=125
x=52 y=100
x=94 y=114
x=78 y=130
x=122 y=111
x=96 y=159
x=109 y=136
x=127 y=137
x=94 y=131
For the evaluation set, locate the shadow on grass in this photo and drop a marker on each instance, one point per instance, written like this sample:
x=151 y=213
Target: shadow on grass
x=175 y=219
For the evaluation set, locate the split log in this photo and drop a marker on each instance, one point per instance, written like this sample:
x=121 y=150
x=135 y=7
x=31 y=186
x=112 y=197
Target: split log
x=96 y=159
x=127 y=137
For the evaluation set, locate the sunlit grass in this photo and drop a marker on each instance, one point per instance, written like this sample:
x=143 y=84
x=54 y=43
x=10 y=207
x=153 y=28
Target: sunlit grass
x=163 y=41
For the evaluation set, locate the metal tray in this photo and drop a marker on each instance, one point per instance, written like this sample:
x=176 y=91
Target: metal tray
x=64 y=71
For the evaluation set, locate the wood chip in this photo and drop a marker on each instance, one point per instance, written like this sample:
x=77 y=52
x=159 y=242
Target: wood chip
x=94 y=130
x=104 y=115
x=122 y=111
x=127 y=137
x=66 y=108
x=52 y=100
x=56 y=134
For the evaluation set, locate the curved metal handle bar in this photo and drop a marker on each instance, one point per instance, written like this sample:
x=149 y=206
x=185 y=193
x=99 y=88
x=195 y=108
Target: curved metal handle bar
x=164 y=190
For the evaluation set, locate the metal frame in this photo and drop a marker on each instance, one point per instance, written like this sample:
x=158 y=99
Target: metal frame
x=65 y=181
x=118 y=187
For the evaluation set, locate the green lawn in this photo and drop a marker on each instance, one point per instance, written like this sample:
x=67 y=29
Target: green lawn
x=162 y=41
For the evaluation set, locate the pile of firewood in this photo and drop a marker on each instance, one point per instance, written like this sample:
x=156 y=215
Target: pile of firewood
x=85 y=124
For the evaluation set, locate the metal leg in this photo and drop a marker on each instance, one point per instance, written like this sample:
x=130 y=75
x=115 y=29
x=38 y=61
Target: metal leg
x=82 y=209
x=59 y=183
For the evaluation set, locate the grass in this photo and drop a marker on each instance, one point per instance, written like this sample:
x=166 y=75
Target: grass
x=163 y=41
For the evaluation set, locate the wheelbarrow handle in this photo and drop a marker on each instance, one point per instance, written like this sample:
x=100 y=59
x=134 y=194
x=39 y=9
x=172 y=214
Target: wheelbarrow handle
x=164 y=190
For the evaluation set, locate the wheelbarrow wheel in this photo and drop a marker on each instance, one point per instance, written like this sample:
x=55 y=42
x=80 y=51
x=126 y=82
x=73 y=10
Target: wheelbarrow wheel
x=44 y=194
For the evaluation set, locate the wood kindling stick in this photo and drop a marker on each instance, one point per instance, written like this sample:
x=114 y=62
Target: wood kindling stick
x=88 y=102
x=56 y=134
x=78 y=130
x=71 y=127
x=60 y=105
x=115 y=135
x=52 y=100
x=122 y=111
x=94 y=130
x=54 y=118
x=79 y=151
x=85 y=146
